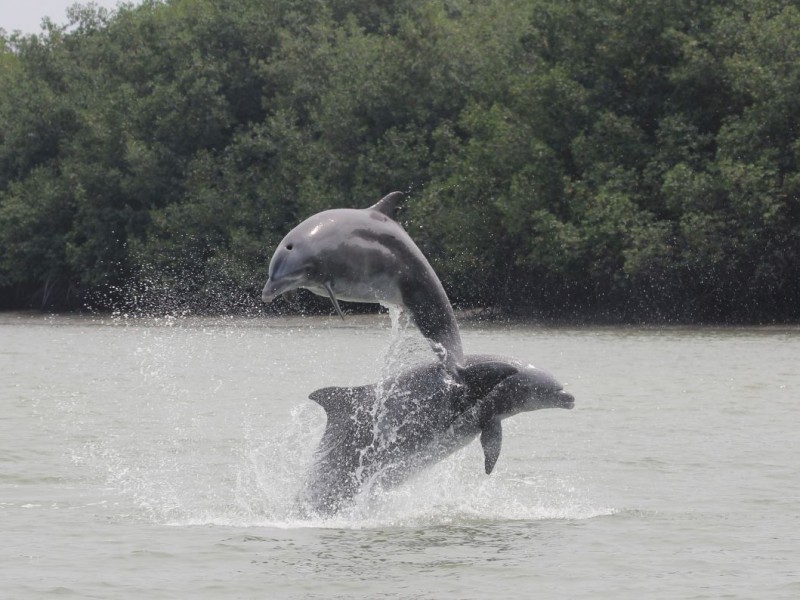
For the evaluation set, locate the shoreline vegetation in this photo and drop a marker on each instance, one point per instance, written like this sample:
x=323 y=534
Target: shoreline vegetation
x=584 y=162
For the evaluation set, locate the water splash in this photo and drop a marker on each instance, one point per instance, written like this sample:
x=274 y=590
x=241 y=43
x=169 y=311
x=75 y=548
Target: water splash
x=407 y=347
x=172 y=454
x=406 y=350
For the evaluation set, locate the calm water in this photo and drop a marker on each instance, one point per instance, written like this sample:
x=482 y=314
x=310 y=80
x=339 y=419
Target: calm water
x=159 y=459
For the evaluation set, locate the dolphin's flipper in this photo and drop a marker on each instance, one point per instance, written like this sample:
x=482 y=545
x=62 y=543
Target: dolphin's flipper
x=492 y=441
x=389 y=205
x=329 y=289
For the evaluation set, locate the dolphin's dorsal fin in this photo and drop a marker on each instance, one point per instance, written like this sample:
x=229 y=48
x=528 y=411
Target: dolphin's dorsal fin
x=389 y=204
x=341 y=402
x=492 y=441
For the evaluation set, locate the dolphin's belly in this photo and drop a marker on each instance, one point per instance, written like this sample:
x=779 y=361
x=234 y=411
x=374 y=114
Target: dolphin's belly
x=382 y=288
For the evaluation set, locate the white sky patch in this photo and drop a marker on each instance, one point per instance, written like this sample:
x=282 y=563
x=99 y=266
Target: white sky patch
x=26 y=15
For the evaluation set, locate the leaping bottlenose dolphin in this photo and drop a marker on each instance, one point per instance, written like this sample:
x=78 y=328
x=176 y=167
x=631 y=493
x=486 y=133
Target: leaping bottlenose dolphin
x=382 y=434
x=365 y=255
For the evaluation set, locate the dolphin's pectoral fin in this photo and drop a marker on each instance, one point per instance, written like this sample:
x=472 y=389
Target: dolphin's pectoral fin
x=389 y=204
x=329 y=289
x=492 y=441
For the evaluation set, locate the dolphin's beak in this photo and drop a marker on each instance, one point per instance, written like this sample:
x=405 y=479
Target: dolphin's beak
x=565 y=399
x=272 y=290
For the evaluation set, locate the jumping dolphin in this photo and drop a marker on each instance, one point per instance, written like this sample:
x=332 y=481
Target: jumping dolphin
x=365 y=255
x=384 y=433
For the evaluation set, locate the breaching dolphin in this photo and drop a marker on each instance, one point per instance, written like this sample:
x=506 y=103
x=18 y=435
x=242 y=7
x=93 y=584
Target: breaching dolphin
x=365 y=255
x=381 y=434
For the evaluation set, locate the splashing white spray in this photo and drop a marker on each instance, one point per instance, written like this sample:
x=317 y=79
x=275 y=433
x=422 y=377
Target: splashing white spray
x=190 y=441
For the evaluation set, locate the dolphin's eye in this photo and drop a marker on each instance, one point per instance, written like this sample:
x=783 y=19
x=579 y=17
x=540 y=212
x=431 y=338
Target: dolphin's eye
x=289 y=246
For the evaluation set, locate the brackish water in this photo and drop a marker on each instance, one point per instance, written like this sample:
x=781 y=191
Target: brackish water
x=160 y=458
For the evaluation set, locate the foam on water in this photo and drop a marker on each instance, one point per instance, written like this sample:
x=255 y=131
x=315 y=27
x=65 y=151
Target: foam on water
x=174 y=456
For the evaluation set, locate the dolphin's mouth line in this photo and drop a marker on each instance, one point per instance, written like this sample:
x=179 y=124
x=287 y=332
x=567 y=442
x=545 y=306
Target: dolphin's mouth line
x=273 y=289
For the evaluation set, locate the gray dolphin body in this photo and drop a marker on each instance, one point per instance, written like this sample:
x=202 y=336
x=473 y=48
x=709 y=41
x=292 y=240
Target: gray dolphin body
x=365 y=255
x=382 y=434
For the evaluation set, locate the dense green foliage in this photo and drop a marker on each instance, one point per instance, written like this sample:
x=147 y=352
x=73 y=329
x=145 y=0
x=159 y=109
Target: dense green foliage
x=607 y=159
